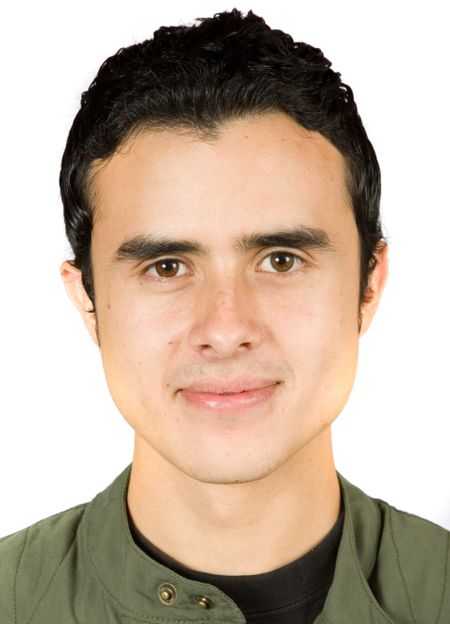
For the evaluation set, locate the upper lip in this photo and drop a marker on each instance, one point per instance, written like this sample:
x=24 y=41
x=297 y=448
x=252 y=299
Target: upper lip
x=219 y=386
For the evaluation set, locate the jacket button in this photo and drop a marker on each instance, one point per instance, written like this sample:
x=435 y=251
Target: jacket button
x=204 y=602
x=167 y=594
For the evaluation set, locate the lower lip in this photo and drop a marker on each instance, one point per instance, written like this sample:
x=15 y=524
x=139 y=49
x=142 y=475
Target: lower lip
x=229 y=402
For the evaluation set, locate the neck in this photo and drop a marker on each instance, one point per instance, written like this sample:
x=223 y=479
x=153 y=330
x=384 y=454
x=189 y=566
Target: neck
x=239 y=528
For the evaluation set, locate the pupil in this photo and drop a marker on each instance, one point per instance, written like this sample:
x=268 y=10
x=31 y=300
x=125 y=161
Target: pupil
x=165 y=265
x=281 y=262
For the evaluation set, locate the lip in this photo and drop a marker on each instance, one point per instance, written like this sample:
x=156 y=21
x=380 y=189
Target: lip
x=237 y=401
x=239 y=384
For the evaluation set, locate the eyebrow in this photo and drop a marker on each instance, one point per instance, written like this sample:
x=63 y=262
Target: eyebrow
x=149 y=247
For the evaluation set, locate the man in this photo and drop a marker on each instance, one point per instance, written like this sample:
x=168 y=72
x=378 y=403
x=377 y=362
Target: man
x=222 y=201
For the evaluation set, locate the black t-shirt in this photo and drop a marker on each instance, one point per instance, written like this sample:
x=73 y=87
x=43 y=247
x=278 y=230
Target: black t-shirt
x=293 y=594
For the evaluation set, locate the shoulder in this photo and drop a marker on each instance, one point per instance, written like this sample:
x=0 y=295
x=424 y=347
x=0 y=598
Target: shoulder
x=415 y=541
x=405 y=532
x=416 y=553
x=414 y=530
x=405 y=559
x=30 y=558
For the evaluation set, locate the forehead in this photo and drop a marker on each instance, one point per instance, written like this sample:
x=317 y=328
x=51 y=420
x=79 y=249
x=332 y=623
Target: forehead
x=265 y=169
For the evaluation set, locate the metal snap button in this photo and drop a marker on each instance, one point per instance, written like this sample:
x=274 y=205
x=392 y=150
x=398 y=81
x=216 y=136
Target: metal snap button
x=167 y=593
x=204 y=602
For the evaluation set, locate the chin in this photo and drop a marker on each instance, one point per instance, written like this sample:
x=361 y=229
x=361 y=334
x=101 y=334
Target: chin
x=231 y=471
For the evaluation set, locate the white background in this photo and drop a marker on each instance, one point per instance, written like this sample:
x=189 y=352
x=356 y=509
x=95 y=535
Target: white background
x=61 y=438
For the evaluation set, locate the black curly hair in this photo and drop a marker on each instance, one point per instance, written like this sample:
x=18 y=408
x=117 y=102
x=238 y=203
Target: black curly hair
x=199 y=76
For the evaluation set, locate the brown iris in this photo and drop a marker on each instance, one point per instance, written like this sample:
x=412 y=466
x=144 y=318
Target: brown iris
x=167 y=268
x=279 y=262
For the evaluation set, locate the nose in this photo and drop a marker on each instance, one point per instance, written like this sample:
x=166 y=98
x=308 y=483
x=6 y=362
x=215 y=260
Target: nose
x=226 y=323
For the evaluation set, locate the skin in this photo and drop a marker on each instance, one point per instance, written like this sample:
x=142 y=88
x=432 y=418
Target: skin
x=255 y=489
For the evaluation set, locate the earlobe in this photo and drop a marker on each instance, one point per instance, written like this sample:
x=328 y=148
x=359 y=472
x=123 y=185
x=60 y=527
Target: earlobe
x=375 y=287
x=73 y=284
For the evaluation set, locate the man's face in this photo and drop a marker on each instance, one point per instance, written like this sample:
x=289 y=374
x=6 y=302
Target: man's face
x=176 y=329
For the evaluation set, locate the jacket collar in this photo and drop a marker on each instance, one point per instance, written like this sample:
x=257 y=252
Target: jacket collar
x=133 y=581
x=350 y=598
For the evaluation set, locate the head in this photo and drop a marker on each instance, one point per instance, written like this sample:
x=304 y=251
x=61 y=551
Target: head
x=236 y=142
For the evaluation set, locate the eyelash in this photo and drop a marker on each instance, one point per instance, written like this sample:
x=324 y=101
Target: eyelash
x=146 y=270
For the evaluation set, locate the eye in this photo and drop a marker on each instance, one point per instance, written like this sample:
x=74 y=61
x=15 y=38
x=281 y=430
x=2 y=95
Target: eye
x=282 y=261
x=167 y=267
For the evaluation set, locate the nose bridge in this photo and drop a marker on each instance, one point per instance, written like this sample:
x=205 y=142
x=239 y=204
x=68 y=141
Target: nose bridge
x=226 y=319
x=227 y=291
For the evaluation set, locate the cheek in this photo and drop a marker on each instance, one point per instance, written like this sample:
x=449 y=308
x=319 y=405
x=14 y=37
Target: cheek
x=319 y=337
x=320 y=318
x=136 y=341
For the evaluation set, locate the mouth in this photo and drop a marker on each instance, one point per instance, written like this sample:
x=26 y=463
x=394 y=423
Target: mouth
x=229 y=401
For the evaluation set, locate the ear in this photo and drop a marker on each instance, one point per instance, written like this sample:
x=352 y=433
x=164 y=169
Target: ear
x=375 y=287
x=74 y=288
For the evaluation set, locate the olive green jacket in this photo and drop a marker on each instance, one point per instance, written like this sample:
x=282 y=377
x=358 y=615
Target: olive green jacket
x=82 y=566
